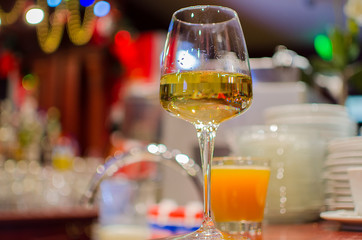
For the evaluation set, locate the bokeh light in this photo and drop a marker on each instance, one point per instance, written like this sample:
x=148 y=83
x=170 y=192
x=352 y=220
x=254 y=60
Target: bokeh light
x=29 y=82
x=86 y=3
x=122 y=37
x=53 y=3
x=323 y=46
x=101 y=8
x=34 y=16
x=182 y=158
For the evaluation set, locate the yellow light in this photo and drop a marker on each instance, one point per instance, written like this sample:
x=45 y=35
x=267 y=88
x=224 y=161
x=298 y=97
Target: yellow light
x=11 y=16
x=50 y=33
x=50 y=30
x=80 y=32
x=34 y=15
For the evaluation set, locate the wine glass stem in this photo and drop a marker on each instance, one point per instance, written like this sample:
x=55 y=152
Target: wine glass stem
x=206 y=135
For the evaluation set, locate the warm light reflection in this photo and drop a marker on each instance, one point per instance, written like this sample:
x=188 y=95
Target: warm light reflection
x=34 y=16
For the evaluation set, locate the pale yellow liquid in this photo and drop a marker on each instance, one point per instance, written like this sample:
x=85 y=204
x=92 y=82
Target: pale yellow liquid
x=206 y=96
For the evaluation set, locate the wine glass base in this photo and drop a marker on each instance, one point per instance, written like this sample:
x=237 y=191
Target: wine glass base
x=214 y=234
x=241 y=227
x=199 y=234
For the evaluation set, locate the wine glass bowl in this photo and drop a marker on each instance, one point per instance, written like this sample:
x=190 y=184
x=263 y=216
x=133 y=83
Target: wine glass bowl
x=205 y=68
x=205 y=80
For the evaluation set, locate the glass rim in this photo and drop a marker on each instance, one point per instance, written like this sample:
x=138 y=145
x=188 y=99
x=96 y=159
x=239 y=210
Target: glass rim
x=234 y=14
x=251 y=159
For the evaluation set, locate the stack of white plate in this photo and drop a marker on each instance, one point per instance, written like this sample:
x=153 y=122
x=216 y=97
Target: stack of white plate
x=330 y=120
x=343 y=153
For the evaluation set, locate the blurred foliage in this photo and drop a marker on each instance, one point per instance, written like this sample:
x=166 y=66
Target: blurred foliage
x=345 y=48
x=344 y=56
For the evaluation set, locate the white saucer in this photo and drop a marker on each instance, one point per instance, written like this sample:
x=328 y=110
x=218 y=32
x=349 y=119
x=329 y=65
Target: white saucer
x=343 y=216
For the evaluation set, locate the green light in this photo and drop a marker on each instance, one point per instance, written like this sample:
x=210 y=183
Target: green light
x=29 y=82
x=323 y=46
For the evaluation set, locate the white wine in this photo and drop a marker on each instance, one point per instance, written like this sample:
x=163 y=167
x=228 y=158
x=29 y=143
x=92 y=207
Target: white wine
x=206 y=97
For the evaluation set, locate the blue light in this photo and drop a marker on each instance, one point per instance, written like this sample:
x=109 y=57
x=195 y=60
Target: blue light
x=86 y=3
x=354 y=107
x=101 y=8
x=53 y=3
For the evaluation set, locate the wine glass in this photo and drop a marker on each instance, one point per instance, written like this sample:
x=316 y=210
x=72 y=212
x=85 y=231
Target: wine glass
x=205 y=80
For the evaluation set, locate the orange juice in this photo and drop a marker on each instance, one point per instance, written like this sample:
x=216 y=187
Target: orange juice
x=239 y=192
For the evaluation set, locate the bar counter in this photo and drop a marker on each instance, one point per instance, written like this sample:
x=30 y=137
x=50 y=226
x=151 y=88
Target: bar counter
x=323 y=230
x=76 y=224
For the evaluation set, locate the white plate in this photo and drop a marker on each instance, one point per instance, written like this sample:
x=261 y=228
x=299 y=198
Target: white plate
x=345 y=143
x=342 y=155
x=343 y=199
x=339 y=184
x=306 y=109
x=342 y=191
x=343 y=216
x=345 y=148
x=341 y=168
x=342 y=161
x=332 y=205
x=341 y=177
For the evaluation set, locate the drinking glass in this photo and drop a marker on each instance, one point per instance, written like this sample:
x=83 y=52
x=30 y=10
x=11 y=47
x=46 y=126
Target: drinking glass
x=238 y=192
x=119 y=219
x=205 y=80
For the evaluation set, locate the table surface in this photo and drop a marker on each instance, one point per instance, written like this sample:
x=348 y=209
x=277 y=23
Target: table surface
x=324 y=230
x=24 y=225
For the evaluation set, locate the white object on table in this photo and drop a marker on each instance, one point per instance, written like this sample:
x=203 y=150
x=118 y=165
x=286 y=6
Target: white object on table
x=355 y=180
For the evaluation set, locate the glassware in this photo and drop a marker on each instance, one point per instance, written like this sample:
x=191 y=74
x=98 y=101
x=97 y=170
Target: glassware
x=205 y=80
x=296 y=190
x=148 y=190
x=119 y=218
x=238 y=193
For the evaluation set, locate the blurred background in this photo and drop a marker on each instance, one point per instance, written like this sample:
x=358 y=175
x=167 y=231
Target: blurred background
x=80 y=62
x=79 y=81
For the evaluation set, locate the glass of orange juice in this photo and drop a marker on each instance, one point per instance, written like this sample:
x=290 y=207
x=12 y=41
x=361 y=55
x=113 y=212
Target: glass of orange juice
x=238 y=194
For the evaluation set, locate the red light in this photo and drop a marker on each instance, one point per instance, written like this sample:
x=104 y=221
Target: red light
x=122 y=37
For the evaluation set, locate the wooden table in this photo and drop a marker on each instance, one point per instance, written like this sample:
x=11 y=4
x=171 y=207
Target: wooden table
x=76 y=224
x=52 y=224
x=324 y=230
